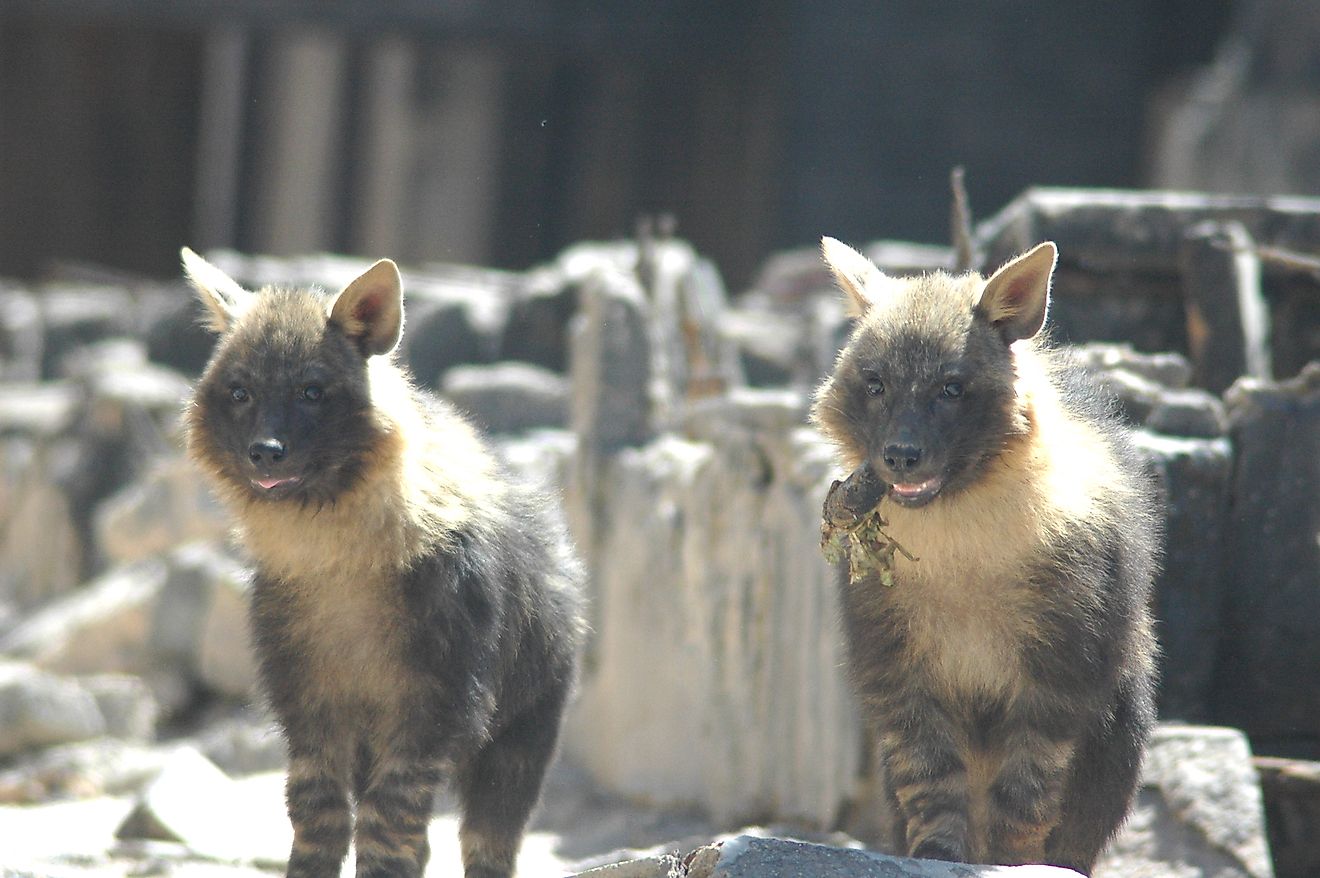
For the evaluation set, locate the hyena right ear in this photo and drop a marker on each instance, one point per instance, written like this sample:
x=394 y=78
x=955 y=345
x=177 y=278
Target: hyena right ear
x=221 y=295
x=1017 y=296
x=854 y=274
x=370 y=309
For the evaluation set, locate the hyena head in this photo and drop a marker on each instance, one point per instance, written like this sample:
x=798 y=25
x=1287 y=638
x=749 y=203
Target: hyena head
x=925 y=387
x=283 y=409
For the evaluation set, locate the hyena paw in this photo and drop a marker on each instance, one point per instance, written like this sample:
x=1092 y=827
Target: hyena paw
x=938 y=849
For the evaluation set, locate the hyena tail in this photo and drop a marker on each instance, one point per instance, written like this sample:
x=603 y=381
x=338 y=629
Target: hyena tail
x=1096 y=799
x=501 y=786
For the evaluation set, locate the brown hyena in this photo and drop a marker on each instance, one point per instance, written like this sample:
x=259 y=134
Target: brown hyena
x=416 y=613
x=1008 y=672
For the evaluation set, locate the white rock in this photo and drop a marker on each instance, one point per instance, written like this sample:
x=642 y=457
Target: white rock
x=126 y=703
x=225 y=659
x=194 y=803
x=38 y=538
x=170 y=505
x=101 y=628
x=706 y=554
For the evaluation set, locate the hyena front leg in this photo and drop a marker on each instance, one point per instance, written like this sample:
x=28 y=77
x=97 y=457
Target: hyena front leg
x=1026 y=796
x=319 y=811
x=927 y=774
x=393 y=815
x=501 y=786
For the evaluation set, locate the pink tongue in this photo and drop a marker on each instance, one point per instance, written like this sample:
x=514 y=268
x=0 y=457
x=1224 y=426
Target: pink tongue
x=270 y=483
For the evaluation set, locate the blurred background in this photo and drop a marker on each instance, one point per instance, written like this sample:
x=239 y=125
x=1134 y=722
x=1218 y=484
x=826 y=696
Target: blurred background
x=523 y=160
x=498 y=131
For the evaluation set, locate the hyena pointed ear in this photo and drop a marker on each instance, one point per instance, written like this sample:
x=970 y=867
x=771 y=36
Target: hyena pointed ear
x=221 y=295
x=853 y=272
x=370 y=309
x=1017 y=296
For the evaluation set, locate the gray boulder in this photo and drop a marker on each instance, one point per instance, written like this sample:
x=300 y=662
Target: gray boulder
x=40 y=540
x=126 y=703
x=1137 y=232
x=753 y=857
x=771 y=346
x=508 y=397
x=1168 y=369
x=1228 y=320
x=612 y=377
x=1198 y=811
x=539 y=315
x=167 y=506
x=178 y=622
x=1271 y=626
x=38 y=709
x=1193 y=477
x=1291 y=789
x=76 y=316
x=225 y=663
x=102 y=628
x=22 y=335
x=101 y=766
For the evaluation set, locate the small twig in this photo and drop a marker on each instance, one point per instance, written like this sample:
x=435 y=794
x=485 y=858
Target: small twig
x=960 y=223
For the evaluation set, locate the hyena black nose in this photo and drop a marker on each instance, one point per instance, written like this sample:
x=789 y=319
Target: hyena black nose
x=901 y=458
x=266 y=451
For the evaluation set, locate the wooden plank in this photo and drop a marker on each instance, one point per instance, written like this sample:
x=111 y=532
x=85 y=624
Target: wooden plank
x=385 y=151
x=220 y=137
x=298 y=175
x=457 y=168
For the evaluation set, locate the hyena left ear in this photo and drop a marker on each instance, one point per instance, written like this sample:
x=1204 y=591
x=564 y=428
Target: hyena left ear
x=856 y=275
x=221 y=295
x=1017 y=296
x=370 y=309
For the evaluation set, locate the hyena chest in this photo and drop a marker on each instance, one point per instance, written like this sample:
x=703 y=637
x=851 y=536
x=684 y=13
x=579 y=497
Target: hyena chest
x=967 y=635
x=351 y=641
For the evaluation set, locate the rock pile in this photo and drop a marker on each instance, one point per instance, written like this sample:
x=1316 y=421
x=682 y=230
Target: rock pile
x=672 y=421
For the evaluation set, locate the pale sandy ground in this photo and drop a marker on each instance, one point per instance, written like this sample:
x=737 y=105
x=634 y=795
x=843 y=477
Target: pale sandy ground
x=575 y=828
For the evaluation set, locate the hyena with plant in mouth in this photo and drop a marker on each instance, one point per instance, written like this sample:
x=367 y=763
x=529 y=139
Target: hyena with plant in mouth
x=1007 y=671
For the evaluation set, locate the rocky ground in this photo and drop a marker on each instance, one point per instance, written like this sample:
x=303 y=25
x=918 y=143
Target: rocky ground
x=120 y=808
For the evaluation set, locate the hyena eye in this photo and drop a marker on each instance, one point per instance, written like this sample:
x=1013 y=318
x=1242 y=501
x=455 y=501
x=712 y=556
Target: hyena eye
x=874 y=386
x=239 y=394
x=953 y=389
x=312 y=392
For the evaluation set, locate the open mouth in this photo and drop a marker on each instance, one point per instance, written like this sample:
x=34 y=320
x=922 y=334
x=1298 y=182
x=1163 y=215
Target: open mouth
x=916 y=493
x=273 y=485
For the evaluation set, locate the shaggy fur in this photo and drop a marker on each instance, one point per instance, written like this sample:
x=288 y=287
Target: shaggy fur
x=416 y=614
x=1008 y=672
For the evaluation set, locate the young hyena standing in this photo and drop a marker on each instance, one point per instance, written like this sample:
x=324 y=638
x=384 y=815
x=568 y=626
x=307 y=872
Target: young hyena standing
x=415 y=613
x=1008 y=671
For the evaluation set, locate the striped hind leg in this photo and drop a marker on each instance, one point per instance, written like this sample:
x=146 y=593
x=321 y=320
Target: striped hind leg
x=322 y=822
x=393 y=815
x=501 y=786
